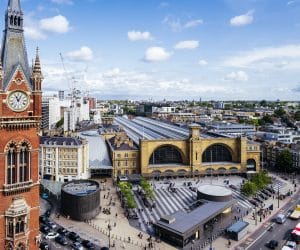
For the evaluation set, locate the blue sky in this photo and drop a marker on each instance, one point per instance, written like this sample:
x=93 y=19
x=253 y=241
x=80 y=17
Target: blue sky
x=177 y=49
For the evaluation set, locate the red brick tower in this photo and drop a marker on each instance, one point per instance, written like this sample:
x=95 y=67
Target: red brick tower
x=20 y=118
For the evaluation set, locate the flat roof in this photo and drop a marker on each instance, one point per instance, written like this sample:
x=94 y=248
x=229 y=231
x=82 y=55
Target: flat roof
x=185 y=221
x=214 y=190
x=81 y=188
x=238 y=226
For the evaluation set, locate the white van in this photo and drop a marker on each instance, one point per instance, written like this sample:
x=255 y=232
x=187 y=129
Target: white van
x=281 y=218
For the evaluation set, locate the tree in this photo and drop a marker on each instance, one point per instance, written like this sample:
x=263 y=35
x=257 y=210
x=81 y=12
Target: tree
x=284 y=161
x=266 y=119
x=261 y=180
x=249 y=188
x=263 y=103
x=279 y=112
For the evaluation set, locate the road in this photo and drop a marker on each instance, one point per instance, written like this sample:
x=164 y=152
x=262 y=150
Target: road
x=280 y=232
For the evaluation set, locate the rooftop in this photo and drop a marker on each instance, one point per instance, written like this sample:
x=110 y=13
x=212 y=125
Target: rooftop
x=81 y=188
x=61 y=141
x=181 y=221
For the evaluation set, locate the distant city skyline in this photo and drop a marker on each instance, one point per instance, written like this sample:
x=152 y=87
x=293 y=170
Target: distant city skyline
x=177 y=50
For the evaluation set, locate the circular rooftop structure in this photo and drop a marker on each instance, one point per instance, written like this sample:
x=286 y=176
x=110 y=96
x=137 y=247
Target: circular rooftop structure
x=214 y=193
x=80 y=199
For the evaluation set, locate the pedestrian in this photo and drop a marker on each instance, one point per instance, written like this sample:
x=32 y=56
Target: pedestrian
x=116 y=215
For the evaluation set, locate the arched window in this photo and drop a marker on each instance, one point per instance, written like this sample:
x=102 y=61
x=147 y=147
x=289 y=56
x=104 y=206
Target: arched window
x=251 y=165
x=24 y=163
x=20 y=225
x=15 y=20
x=217 y=153
x=19 y=21
x=166 y=155
x=11 y=20
x=11 y=177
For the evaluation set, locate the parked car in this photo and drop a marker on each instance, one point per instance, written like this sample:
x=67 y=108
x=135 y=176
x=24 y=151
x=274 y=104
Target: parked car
x=272 y=244
x=52 y=235
x=61 y=240
x=77 y=246
x=62 y=231
x=87 y=244
x=290 y=245
x=51 y=224
x=74 y=236
x=45 y=229
x=44 y=246
x=43 y=219
x=104 y=248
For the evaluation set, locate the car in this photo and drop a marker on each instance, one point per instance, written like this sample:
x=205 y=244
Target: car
x=77 y=246
x=61 y=240
x=272 y=244
x=51 y=224
x=43 y=219
x=62 y=231
x=87 y=244
x=104 y=248
x=48 y=213
x=290 y=245
x=51 y=235
x=74 y=236
x=45 y=229
x=44 y=246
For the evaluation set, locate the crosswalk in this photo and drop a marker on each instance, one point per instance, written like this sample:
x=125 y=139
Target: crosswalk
x=241 y=200
x=169 y=202
x=166 y=203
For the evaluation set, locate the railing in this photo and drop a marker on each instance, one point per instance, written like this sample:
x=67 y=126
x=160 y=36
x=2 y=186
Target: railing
x=16 y=188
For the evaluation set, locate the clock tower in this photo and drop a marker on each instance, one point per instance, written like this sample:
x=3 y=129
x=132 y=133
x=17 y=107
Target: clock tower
x=20 y=118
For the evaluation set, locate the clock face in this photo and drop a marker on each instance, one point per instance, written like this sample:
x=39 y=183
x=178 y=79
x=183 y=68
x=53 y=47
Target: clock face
x=18 y=101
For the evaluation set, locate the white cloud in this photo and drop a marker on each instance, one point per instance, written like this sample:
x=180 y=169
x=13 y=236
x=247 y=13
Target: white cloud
x=83 y=54
x=239 y=76
x=193 y=23
x=155 y=54
x=202 y=62
x=56 y=24
x=34 y=33
x=242 y=20
x=261 y=55
x=177 y=25
x=138 y=35
x=188 y=44
x=164 y=5
x=69 y=2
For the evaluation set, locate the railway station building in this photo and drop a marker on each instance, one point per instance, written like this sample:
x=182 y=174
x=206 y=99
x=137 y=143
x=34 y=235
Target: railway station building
x=162 y=149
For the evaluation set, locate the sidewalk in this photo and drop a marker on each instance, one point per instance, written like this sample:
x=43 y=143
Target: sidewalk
x=122 y=234
x=222 y=243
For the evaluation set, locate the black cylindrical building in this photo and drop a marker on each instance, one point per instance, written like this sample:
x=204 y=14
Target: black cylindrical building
x=80 y=199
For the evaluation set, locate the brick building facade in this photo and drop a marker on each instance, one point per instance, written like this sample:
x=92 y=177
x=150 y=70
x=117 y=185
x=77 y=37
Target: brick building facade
x=20 y=117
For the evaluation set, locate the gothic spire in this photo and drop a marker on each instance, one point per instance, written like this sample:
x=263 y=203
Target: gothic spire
x=37 y=71
x=14 y=5
x=14 y=54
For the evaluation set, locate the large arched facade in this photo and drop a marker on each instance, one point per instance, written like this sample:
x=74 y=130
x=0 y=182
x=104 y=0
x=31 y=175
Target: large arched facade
x=166 y=154
x=217 y=153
